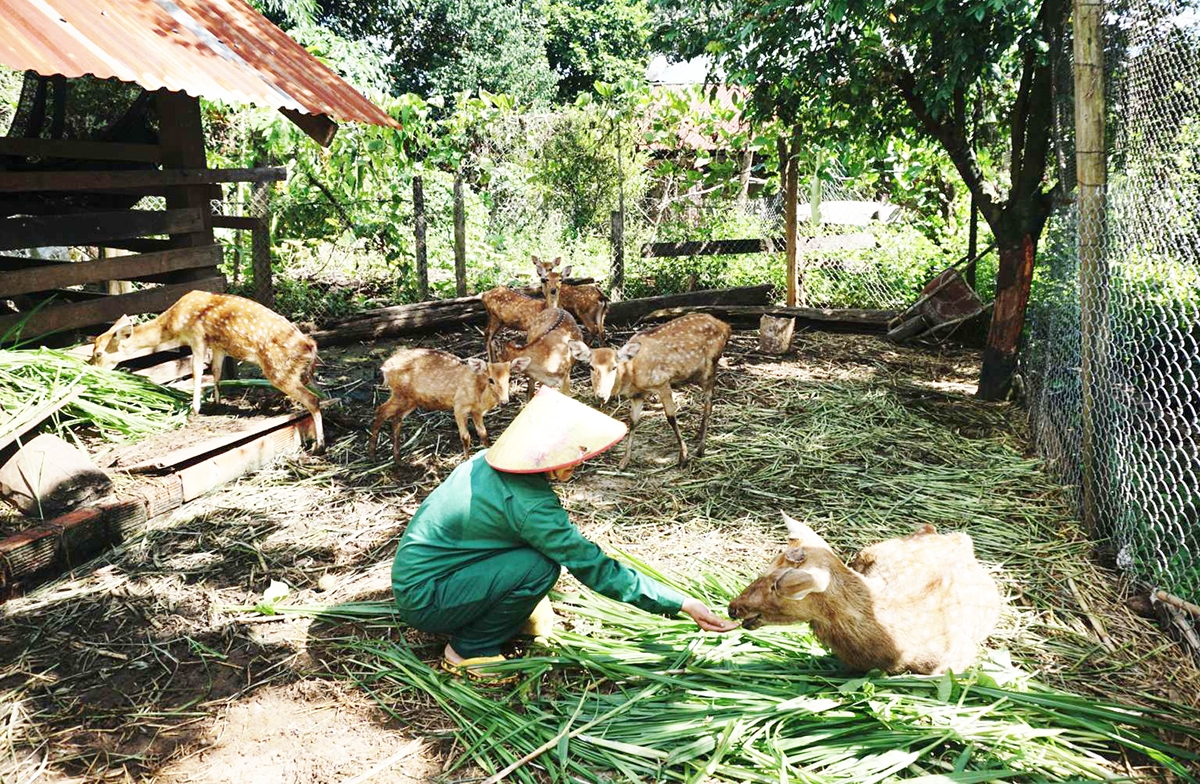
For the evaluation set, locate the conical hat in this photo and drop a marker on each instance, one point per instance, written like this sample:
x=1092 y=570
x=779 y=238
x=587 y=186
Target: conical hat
x=553 y=431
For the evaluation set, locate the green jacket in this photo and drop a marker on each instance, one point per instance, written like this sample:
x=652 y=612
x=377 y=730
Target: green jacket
x=479 y=511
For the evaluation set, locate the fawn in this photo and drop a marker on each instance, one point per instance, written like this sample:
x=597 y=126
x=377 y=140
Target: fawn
x=684 y=349
x=229 y=325
x=510 y=308
x=438 y=381
x=549 y=356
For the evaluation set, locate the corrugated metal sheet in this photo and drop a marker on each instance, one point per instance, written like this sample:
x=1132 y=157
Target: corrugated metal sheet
x=218 y=49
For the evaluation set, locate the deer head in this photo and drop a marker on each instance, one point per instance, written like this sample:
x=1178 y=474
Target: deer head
x=607 y=365
x=106 y=348
x=786 y=591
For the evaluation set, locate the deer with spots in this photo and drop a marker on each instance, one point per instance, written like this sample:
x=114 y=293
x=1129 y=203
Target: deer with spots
x=684 y=349
x=547 y=349
x=587 y=303
x=510 y=308
x=919 y=603
x=439 y=381
x=229 y=326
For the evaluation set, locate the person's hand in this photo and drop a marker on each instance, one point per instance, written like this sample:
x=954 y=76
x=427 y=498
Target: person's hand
x=705 y=618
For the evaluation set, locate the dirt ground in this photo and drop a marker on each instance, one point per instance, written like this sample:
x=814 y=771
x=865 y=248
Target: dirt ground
x=147 y=665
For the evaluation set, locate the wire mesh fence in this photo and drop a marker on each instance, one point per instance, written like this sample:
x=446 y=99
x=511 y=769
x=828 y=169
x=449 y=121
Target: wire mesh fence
x=1113 y=346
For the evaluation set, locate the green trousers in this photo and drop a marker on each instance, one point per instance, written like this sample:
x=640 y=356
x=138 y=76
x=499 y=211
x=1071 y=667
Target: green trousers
x=484 y=604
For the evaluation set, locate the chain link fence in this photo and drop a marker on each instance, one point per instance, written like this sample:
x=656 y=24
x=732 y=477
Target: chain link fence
x=1132 y=308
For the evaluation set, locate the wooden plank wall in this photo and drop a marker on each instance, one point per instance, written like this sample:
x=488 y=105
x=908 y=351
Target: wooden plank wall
x=173 y=248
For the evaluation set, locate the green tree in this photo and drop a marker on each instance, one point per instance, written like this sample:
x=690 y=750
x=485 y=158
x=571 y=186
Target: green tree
x=444 y=47
x=857 y=66
x=589 y=41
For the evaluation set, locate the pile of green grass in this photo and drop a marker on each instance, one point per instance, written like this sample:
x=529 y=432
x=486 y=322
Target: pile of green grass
x=644 y=698
x=120 y=406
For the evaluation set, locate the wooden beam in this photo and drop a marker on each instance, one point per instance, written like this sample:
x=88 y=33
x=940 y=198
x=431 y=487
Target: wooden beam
x=147 y=180
x=236 y=222
x=9 y=263
x=319 y=127
x=118 y=268
x=92 y=228
x=81 y=150
x=867 y=320
x=630 y=311
x=137 y=245
x=712 y=247
x=56 y=318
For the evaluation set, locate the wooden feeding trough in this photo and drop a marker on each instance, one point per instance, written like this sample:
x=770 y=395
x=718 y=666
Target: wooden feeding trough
x=945 y=302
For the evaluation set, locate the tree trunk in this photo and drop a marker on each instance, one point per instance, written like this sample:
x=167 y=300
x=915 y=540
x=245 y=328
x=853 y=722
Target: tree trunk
x=1008 y=316
x=418 y=188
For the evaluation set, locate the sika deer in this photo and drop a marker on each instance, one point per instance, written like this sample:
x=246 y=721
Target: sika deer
x=684 y=349
x=437 y=381
x=587 y=303
x=229 y=325
x=921 y=602
x=550 y=359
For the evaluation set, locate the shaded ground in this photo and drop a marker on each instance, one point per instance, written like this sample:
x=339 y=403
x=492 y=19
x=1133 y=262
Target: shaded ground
x=146 y=665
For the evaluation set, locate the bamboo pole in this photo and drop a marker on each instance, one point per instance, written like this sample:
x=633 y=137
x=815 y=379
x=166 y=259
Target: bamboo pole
x=460 y=237
x=1093 y=273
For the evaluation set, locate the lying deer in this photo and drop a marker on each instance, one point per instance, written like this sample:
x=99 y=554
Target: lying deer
x=438 y=381
x=920 y=603
x=510 y=308
x=549 y=356
x=229 y=325
x=684 y=349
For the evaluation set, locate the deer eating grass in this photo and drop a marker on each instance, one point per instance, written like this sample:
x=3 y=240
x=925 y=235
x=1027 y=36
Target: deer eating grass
x=438 y=381
x=229 y=325
x=919 y=603
x=547 y=350
x=510 y=308
x=684 y=349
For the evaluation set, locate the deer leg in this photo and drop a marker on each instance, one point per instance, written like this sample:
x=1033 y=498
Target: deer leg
x=565 y=386
x=305 y=397
x=460 y=417
x=198 y=350
x=218 y=360
x=708 y=384
x=387 y=410
x=635 y=416
x=397 y=423
x=669 y=408
x=477 y=418
x=493 y=326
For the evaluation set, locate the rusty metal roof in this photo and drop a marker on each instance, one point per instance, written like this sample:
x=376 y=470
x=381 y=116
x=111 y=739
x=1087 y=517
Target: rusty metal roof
x=218 y=49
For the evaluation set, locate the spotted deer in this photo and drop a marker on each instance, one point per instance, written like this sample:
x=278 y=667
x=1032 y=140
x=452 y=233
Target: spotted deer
x=587 y=303
x=919 y=603
x=438 y=381
x=511 y=308
x=547 y=350
x=230 y=326
x=684 y=349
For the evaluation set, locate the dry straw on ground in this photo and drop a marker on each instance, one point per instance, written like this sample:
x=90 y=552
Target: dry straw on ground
x=130 y=666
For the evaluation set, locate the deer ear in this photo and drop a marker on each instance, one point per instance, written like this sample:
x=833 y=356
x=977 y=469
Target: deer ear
x=628 y=351
x=806 y=535
x=519 y=364
x=566 y=270
x=477 y=365
x=123 y=329
x=795 y=584
x=579 y=350
x=556 y=262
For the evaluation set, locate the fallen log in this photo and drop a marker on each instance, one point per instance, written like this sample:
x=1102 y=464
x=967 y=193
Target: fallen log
x=430 y=316
x=848 y=318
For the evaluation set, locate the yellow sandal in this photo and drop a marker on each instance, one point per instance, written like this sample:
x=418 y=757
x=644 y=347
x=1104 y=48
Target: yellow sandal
x=470 y=670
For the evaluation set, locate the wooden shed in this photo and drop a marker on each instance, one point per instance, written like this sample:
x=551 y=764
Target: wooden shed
x=109 y=114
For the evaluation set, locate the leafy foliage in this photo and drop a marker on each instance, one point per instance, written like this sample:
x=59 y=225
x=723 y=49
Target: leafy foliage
x=595 y=40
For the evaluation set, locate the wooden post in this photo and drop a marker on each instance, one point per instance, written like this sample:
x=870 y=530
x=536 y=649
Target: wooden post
x=618 y=251
x=182 y=138
x=418 y=190
x=790 y=174
x=260 y=245
x=460 y=237
x=1093 y=272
